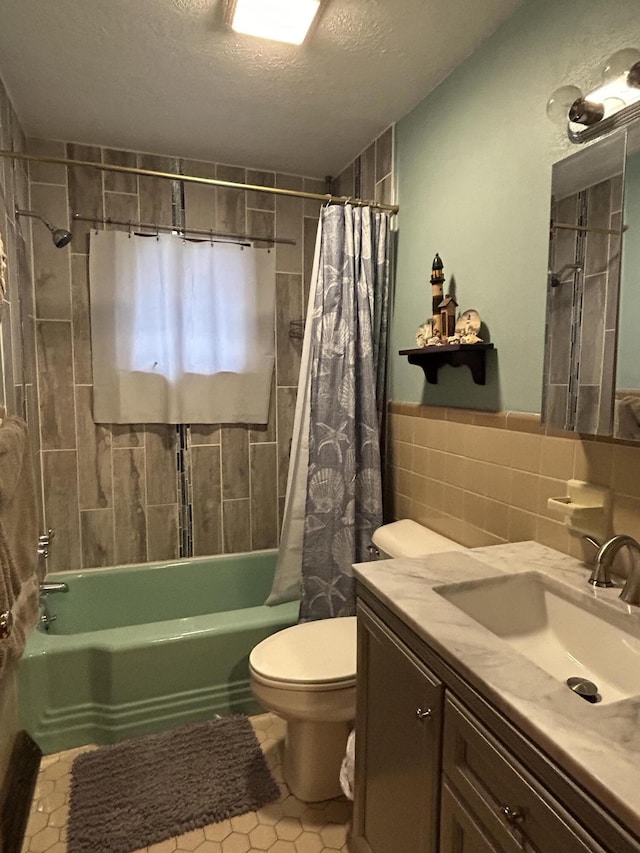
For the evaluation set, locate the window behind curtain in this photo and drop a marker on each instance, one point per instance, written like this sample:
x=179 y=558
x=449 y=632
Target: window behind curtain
x=181 y=332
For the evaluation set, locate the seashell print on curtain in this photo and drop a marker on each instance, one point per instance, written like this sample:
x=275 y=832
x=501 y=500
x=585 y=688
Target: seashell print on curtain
x=344 y=489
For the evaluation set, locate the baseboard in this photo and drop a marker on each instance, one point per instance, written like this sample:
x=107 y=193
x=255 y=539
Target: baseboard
x=17 y=792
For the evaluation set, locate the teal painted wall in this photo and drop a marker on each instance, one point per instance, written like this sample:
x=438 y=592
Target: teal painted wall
x=474 y=164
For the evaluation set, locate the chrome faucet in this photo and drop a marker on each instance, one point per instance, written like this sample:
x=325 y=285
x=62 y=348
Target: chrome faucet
x=600 y=576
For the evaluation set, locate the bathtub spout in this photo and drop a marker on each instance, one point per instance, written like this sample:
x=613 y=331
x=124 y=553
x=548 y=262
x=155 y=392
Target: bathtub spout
x=48 y=588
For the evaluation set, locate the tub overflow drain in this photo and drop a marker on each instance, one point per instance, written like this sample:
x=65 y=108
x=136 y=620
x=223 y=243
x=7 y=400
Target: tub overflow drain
x=584 y=688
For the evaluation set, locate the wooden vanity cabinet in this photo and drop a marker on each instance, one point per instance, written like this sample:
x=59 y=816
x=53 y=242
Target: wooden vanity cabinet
x=462 y=778
x=500 y=795
x=398 y=745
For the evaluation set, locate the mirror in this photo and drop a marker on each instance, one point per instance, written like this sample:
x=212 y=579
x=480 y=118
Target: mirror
x=583 y=291
x=626 y=422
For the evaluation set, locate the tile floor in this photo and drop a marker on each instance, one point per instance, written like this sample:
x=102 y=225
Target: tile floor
x=287 y=826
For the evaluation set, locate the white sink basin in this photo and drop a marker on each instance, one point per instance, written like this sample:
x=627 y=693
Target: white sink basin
x=538 y=616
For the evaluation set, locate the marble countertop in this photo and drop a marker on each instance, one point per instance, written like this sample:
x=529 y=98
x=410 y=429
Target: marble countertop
x=597 y=745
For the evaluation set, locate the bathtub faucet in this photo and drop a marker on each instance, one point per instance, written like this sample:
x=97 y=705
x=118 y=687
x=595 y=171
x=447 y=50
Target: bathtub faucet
x=48 y=588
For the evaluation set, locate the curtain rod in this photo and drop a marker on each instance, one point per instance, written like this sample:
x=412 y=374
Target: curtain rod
x=133 y=170
x=178 y=229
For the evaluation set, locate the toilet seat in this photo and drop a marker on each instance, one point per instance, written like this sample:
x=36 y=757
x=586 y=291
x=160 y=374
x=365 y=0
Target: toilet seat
x=311 y=656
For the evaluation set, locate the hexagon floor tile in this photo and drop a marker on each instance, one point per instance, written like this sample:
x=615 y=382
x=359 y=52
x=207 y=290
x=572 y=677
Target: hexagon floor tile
x=286 y=826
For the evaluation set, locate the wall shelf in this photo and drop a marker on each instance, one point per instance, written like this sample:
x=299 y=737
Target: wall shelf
x=431 y=359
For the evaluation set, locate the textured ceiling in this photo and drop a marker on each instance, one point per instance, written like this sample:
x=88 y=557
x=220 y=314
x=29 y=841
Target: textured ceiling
x=167 y=76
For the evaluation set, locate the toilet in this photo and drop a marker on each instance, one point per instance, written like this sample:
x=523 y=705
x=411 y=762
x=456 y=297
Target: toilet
x=306 y=674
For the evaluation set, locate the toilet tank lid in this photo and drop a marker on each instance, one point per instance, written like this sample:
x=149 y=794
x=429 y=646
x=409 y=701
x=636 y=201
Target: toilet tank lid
x=311 y=652
x=406 y=538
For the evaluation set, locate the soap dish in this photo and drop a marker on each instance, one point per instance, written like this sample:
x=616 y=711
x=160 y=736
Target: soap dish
x=585 y=509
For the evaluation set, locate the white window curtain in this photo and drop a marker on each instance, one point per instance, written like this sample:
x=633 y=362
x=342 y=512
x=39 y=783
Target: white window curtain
x=181 y=332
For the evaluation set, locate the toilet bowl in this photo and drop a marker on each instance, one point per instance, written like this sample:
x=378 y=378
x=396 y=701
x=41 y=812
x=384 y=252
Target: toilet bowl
x=306 y=674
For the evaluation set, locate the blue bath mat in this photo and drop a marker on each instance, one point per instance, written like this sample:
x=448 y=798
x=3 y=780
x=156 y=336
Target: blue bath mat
x=151 y=788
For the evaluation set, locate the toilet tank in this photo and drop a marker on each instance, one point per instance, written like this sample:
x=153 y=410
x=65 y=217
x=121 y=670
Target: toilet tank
x=406 y=538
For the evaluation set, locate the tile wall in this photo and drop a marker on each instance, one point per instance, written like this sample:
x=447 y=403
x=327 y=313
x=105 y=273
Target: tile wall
x=483 y=478
x=111 y=493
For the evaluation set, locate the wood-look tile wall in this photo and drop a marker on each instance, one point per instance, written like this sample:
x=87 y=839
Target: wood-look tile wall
x=483 y=478
x=111 y=492
x=370 y=176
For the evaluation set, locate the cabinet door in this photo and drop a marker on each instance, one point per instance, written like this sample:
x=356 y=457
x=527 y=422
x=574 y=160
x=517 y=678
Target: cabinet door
x=399 y=725
x=516 y=811
x=459 y=830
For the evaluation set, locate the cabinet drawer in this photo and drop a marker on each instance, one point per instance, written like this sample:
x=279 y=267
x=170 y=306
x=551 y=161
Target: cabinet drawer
x=513 y=807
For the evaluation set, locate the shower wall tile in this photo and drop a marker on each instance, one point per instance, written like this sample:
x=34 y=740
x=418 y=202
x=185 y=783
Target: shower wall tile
x=98 y=540
x=80 y=319
x=344 y=184
x=235 y=462
x=127 y=435
x=289 y=226
x=264 y=496
x=230 y=204
x=236 y=520
x=161 y=448
x=51 y=265
x=200 y=199
x=266 y=432
x=207 y=509
x=47 y=173
x=384 y=154
x=85 y=193
x=205 y=434
x=162 y=532
x=120 y=182
x=156 y=193
x=129 y=504
x=60 y=481
x=261 y=223
x=127 y=473
x=94 y=454
x=312 y=206
x=288 y=310
x=258 y=200
x=310 y=233
x=121 y=207
x=56 y=385
x=286 y=411
x=368 y=172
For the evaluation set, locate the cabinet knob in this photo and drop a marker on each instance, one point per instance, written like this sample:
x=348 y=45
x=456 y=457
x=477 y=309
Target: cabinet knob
x=422 y=715
x=512 y=815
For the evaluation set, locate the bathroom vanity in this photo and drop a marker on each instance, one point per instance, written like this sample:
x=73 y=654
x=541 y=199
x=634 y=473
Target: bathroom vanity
x=467 y=737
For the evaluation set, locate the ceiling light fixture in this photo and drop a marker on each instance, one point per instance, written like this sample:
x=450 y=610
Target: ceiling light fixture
x=611 y=105
x=277 y=20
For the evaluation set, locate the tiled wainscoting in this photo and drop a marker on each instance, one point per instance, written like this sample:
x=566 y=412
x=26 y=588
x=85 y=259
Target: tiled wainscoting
x=483 y=478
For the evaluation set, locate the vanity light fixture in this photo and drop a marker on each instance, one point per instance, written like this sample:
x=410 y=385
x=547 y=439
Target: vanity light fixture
x=278 y=20
x=613 y=104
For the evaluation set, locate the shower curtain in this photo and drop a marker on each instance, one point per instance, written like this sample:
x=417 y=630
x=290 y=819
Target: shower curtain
x=334 y=492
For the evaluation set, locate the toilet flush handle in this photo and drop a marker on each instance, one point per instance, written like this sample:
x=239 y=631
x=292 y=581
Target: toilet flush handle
x=423 y=714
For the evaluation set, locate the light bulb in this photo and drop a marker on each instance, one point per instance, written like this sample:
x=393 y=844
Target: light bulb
x=633 y=77
x=559 y=103
x=586 y=112
x=619 y=63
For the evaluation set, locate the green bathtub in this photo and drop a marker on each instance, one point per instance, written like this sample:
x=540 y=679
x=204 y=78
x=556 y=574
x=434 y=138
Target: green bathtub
x=139 y=649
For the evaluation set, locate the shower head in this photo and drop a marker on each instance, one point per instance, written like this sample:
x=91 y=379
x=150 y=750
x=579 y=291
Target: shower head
x=61 y=237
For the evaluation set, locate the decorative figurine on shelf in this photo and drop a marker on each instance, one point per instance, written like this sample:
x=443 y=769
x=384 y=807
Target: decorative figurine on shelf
x=424 y=333
x=447 y=309
x=437 y=280
x=468 y=326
